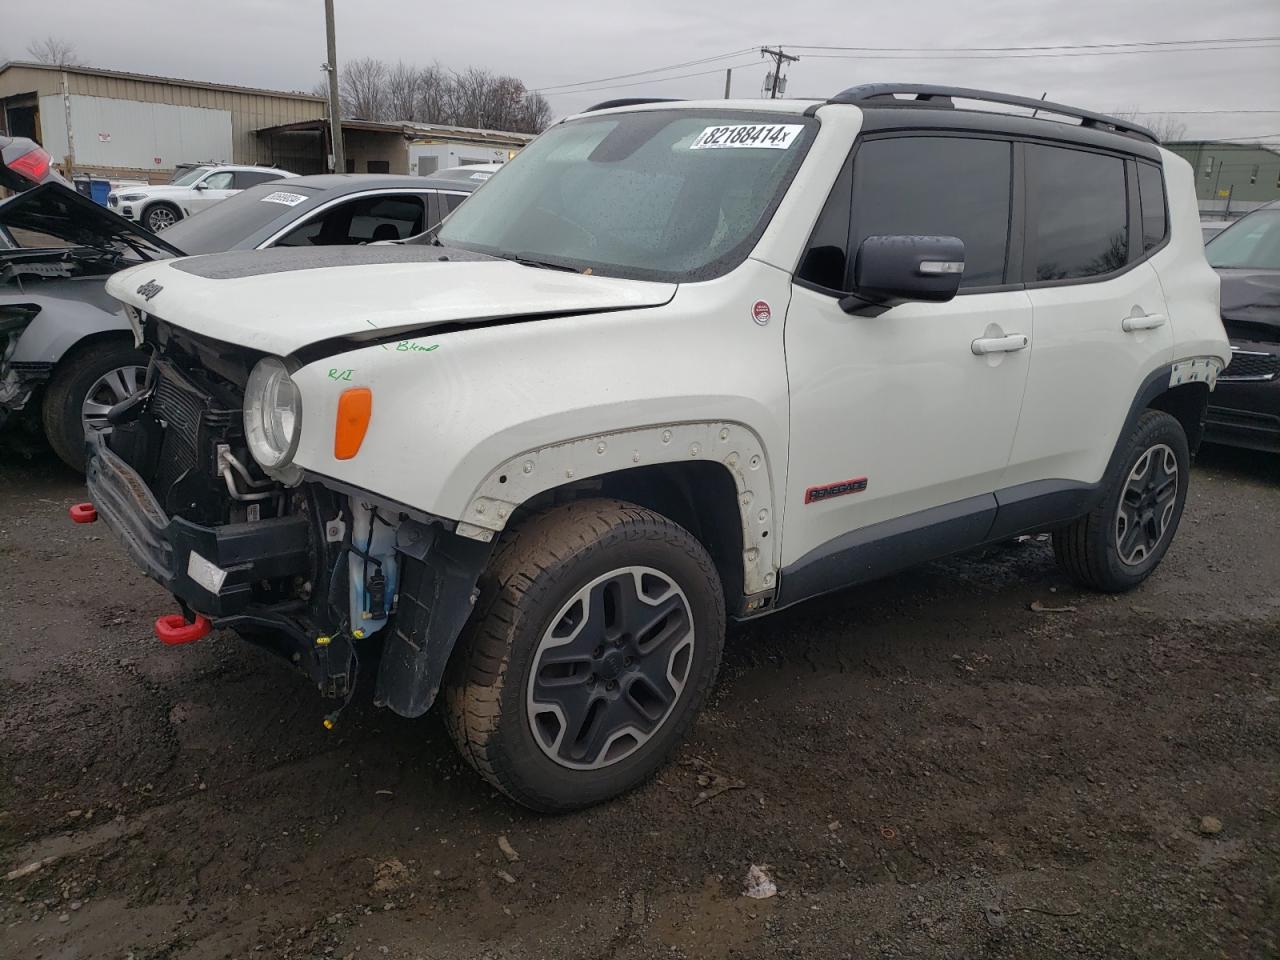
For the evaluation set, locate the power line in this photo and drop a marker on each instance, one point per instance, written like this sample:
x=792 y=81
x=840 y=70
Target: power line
x=1187 y=112
x=641 y=83
x=1058 y=46
x=1026 y=56
x=640 y=73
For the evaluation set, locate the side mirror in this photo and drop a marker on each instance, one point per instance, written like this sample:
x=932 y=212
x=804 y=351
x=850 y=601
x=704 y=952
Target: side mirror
x=893 y=270
x=201 y=186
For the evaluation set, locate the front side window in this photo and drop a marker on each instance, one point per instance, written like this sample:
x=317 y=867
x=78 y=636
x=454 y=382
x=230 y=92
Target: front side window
x=190 y=177
x=941 y=187
x=661 y=194
x=219 y=181
x=1079 y=205
x=1251 y=243
x=1151 y=194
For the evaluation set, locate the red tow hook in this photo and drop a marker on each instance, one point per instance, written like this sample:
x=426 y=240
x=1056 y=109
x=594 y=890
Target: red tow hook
x=83 y=513
x=173 y=629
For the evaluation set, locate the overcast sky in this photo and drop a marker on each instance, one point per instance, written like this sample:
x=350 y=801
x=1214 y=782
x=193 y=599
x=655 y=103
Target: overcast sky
x=280 y=43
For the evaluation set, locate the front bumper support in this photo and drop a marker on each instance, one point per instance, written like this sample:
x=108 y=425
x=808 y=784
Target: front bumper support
x=162 y=545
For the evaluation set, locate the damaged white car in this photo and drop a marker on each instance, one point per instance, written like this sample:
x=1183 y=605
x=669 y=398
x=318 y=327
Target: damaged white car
x=681 y=362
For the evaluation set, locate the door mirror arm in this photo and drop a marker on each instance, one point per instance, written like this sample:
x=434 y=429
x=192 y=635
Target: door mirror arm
x=855 y=305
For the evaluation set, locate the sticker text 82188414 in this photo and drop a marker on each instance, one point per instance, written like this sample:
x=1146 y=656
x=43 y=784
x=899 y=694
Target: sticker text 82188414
x=773 y=136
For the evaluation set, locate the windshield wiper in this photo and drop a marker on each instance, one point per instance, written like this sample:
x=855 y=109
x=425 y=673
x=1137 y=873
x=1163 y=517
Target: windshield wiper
x=535 y=262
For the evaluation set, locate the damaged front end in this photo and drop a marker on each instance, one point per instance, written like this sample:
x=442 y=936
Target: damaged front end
x=18 y=381
x=322 y=573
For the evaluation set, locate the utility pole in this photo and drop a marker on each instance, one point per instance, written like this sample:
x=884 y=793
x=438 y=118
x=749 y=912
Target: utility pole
x=335 y=109
x=728 y=80
x=69 y=161
x=778 y=59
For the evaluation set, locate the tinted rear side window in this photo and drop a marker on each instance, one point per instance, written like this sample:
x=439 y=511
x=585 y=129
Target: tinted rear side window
x=937 y=186
x=1151 y=193
x=1081 y=218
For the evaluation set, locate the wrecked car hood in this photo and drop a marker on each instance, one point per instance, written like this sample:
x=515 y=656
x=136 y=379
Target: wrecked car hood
x=52 y=210
x=279 y=301
x=1251 y=296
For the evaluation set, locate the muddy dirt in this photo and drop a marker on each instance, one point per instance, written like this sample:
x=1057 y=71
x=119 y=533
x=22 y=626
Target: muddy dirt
x=928 y=768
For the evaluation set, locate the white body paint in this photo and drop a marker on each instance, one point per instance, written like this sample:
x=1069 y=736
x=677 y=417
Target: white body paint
x=807 y=395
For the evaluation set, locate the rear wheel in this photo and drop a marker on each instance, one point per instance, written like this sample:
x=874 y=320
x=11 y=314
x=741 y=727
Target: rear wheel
x=160 y=216
x=1123 y=540
x=84 y=387
x=596 y=640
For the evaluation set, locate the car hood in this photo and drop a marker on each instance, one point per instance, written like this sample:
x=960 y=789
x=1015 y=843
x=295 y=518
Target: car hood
x=151 y=189
x=1251 y=296
x=280 y=301
x=58 y=211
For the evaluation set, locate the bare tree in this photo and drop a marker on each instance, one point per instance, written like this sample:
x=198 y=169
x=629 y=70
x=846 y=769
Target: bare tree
x=53 y=50
x=400 y=92
x=373 y=90
x=362 y=85
x=1165 y=127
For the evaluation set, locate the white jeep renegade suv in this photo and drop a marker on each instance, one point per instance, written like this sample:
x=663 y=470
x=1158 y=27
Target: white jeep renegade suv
x=680 y=362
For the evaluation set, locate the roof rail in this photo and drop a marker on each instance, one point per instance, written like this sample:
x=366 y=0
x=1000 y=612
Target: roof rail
x=932 y=95
x=629 y=102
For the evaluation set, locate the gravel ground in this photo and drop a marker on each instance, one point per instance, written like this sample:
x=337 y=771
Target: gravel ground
x=927 y=767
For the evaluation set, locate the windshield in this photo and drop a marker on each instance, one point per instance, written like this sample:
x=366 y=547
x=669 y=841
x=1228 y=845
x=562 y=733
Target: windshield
x=191 y=176
x=1251 y=243
x=232 y=221
x=658 y=195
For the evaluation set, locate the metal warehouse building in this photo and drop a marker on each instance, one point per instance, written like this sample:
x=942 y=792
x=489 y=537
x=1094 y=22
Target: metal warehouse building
x=1234 y=176
x=131 y=125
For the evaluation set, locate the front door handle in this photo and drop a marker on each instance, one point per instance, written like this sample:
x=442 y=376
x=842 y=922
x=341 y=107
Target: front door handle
x=1148 y=322
x=985 y=345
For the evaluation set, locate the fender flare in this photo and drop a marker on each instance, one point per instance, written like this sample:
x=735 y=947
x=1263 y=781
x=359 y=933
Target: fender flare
x=734 y=446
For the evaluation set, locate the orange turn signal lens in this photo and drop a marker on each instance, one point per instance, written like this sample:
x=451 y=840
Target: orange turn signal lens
x=355 y=407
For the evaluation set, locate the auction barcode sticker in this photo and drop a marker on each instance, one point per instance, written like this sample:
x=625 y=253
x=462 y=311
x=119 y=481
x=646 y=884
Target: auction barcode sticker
x=288 y=199
x=774 y=136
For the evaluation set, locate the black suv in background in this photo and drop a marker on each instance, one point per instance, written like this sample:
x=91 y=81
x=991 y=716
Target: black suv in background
x=1245 y=409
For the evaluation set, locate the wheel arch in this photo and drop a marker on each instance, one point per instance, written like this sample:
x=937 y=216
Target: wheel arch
x=1186 y=403
x=712 y=477
x=148 y=205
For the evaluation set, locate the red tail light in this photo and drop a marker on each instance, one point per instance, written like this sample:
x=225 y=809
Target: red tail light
x=34 y=165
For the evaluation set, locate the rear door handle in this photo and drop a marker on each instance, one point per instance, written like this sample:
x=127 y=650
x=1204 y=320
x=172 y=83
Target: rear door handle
x=985 y=345
x=1148 y=322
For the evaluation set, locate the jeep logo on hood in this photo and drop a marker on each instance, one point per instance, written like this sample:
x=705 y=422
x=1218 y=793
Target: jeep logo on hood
x=149 y=290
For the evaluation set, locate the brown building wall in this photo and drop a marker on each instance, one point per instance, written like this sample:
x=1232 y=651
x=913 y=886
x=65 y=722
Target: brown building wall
x=250 y=109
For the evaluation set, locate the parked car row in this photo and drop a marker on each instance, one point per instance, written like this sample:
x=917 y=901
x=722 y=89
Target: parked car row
x=680 y=363
x=67 y=347
x=160 y=206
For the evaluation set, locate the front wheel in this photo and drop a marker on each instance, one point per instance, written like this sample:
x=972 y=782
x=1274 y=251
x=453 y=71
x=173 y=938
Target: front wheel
x=84 y=388
x=161 y=216
x=596 y=639
x=1124 y=538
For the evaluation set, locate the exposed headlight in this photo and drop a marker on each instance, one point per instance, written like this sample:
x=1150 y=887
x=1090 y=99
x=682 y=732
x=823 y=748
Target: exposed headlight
x=133 y=197
x=272 y=413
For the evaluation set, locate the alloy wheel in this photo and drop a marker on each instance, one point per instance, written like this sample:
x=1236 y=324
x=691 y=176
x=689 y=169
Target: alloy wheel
x=160 y=218
x=611 y=668
x=1146 y=504
x=114 y=386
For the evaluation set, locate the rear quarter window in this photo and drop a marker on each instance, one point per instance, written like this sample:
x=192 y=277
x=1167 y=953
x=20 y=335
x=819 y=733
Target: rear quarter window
x=1155 y=221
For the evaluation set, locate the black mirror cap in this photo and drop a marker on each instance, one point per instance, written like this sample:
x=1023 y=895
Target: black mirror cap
x=892 y=270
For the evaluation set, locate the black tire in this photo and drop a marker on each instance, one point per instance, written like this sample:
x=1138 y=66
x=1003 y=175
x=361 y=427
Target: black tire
x=160 y=215
x=551 y=560
x=1089 y=549
x=65 y=397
